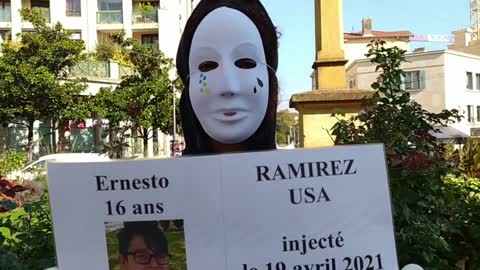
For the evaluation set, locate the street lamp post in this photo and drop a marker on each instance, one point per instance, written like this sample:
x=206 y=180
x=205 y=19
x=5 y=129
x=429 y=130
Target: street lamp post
x=174 y=113
x=174 y=135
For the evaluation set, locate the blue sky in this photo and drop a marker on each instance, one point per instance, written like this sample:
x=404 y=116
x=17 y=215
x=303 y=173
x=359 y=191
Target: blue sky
x=295 y=20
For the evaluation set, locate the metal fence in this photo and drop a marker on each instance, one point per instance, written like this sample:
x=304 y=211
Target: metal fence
x=145 y=17
x=125 y=71
x=109 y=17
x=92 y=68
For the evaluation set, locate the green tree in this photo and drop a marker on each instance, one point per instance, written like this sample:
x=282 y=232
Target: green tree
x=425 y=206
x=11 y=161
x=111 y=105
x=34 y=77
x=143 y=100
x=286 y=124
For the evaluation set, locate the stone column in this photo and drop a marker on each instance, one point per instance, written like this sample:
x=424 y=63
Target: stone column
x=331 y=94
x=89 y=10
x=329 y=59
x=16 y=5
x=127 y=10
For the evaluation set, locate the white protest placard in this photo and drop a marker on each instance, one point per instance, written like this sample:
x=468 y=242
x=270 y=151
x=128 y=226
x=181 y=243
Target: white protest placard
x=306 y=209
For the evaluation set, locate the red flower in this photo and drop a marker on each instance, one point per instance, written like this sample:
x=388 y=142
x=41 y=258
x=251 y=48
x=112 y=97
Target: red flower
x=8 y=190
x=416 y=161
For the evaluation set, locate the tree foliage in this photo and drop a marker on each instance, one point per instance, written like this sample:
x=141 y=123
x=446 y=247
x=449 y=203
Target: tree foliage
x=109 y=47
x=286 y=121
x=143 y=100
x=433 y=208
x=34 y=76
x=11 y=161
x=467 y=159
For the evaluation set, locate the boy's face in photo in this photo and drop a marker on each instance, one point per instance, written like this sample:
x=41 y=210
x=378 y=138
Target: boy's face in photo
x=140 y=257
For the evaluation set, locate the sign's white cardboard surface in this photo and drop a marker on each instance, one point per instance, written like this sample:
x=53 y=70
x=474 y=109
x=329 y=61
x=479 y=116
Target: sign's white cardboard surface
x=322 y=209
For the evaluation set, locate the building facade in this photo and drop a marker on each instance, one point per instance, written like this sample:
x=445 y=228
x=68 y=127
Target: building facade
x=149 y=21
x=156 y=22
x=438 y=80
x=355 y=44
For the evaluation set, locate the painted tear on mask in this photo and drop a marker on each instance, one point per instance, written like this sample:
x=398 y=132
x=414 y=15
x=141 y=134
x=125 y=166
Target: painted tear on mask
x=259 y=82
x=203 y=84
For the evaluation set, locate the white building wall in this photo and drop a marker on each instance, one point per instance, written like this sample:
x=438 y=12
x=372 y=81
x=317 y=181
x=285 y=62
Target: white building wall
x=356 y=49
x=89 y=31
x=445 y=82
x=169 y=31
x=362 y=73
x=431 y=64
x=456 y=92
x=16 y=19
x=127 y=10
x=172 y=18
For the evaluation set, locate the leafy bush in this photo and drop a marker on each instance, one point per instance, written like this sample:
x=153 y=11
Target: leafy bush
x=435 y=216
x=9 y=260
x=466 y=159
x=104 y=51
x=464 y=233
x=11 y=161
x=110 y=48
x=26 y=238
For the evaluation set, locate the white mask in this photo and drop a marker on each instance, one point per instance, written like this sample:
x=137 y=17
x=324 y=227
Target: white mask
x=229 y=85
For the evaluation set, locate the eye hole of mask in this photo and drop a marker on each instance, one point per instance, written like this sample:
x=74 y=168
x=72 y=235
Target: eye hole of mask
x=207 y=66
x=246 y=63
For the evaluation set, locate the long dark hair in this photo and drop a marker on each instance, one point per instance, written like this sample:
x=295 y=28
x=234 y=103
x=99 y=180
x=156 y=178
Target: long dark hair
x=196 y=139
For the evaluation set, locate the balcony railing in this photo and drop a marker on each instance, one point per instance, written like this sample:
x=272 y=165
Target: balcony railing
x=92 y=68
x=74 y=13
x=145 y=17
x=5 y=15
x=125 y=71
x=45 y=12
x=109 y=17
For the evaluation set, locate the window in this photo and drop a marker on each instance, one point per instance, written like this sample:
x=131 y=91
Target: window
x=5 y=12
x=470 y=113
x=150 y=39
x=43 y=6
x=40 y=4
x=109 y=4
x=414 y=80
x=469 y=80
x=73 y=8
x=109 y=11
x=478 y=114
x=477 y=77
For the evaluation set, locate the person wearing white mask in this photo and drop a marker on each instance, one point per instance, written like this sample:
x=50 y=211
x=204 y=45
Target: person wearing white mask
x=227 y=59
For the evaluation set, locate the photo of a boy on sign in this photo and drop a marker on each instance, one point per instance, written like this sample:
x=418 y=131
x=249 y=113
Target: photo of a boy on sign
x=139 y=245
